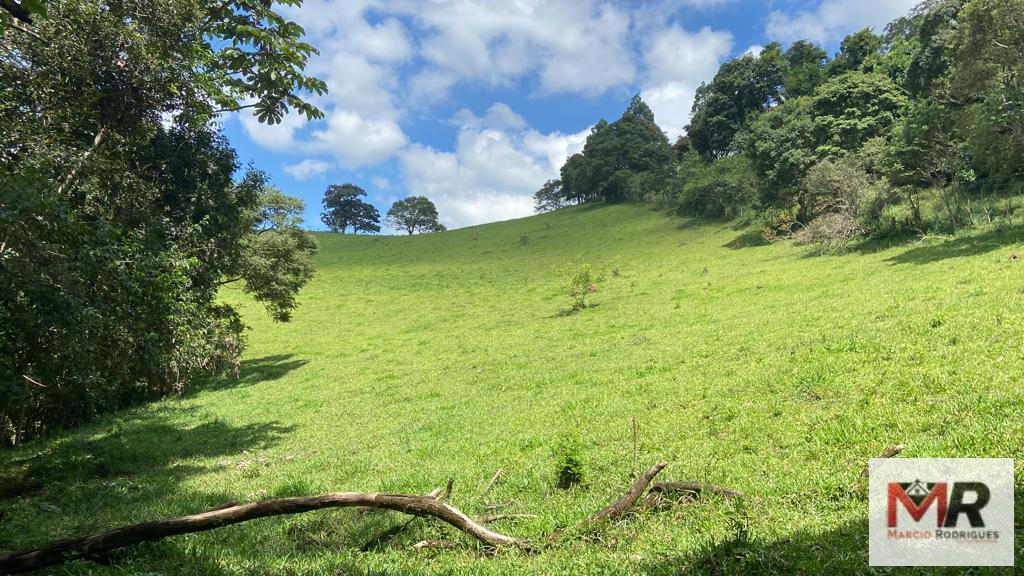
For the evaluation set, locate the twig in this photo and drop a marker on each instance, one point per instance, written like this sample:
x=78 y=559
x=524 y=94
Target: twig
x=433 y=544
x=487 y=519
x=494 y=480
x=70 y=178
x=636 y=465
x=887 y=453
x=32 y=381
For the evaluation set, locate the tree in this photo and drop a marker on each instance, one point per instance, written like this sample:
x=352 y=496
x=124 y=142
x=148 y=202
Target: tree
x=782 y=144
x=550 y=197
x=120 y=215
x=743 y=88
x=343 y=208
x=805 y=69
x=853 y=108
x=616 y=152
x=855 y=52
x=415 y=214
x=988 y=81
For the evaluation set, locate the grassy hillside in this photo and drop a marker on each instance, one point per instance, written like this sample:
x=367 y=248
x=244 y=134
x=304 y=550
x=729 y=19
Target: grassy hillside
x=417 y=358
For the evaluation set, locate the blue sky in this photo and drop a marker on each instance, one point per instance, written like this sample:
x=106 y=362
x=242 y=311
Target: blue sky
x=475 y=104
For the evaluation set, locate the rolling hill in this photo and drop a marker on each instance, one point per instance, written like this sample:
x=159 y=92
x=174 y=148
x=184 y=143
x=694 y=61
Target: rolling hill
x=411 y=359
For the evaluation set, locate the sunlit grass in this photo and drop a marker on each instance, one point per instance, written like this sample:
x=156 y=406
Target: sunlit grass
x=414 y=359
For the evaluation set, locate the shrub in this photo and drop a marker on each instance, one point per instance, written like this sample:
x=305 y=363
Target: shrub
x=569 y=460
x=578 y=280
x=724 y=188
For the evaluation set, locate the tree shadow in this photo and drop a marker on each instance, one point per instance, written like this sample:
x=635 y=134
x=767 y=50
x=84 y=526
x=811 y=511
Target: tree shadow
x=963 y=246
x=253 y=371
x=748 y=239
x=145 y=443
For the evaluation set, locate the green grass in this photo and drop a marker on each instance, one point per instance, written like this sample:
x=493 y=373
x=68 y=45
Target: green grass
x=412 y=359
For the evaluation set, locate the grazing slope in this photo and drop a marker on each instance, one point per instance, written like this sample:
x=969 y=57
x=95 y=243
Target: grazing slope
x=412 y=359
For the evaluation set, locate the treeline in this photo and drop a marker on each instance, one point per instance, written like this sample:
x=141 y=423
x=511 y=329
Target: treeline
x=120 y=212
x=918 y=129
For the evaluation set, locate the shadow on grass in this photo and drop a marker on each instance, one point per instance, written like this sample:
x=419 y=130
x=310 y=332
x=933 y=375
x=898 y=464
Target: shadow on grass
x=748 y=239
x=972 y=245
x=843 y=550
x=252 y=371
x=148 y=444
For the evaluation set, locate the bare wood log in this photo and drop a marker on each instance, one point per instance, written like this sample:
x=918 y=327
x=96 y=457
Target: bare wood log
x=437 y=493
x=887 y=453
x=228 y=504
x=488 y=518
x=434 y=544
x=65 y=550
x=626 y=501
x=494 y=480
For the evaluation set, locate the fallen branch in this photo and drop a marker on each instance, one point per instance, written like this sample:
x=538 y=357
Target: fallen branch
x=498 y=505
x=626 y=501
x=659 y=489
x=398 y=528
x=64 y=550
x=887 y=453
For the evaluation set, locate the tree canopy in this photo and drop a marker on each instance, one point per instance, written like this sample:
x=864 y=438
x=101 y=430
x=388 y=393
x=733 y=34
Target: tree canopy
x=344 y=208
x=415 y=214
x=120 y=212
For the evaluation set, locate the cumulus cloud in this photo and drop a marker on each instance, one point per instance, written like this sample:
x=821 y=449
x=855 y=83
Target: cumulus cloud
x=572 y=45
x=308 y=168
x=830 y=20
x=493 y=172
x=677 y=62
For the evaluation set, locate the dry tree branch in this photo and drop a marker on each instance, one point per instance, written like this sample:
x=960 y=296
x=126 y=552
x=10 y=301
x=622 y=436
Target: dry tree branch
x=494 y=480
x=659 y=489
x=887 y=453
x=437 y=493
x=487 y=519
x=64 y=550
x=433 y=544
x=626 y=501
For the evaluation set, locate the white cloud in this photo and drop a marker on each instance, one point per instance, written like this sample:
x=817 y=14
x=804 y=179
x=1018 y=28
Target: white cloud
x=308 y=168
x=381 y=183
x=493 y=172
x=677 y=62
x=573 y=45
x=833 y=19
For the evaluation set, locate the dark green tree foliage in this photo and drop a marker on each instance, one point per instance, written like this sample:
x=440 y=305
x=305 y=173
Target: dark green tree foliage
x=344 y=208
x=616 y=152
x=856 y=52
x=989 y=81
x=116 y=231
x=853 y=108
x=935 y=49
x=720 y=189
x=415 y=214
x=782 y=145
x=805 y=69
x=550 y=197
x=575 y=180
x=742 y=89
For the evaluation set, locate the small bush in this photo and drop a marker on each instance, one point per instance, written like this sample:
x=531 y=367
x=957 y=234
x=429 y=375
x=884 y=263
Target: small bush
x=578 y=280
x=722 y=189
x=829 y=232
x=569 y=459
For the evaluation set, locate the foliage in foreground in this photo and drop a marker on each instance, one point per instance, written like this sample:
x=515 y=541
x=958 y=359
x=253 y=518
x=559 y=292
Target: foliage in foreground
x=120 y=215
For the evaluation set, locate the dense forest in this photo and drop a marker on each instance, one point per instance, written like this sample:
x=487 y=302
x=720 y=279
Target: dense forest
x=917 y=130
